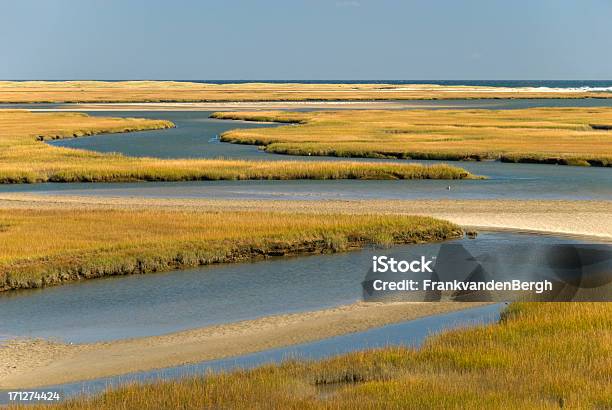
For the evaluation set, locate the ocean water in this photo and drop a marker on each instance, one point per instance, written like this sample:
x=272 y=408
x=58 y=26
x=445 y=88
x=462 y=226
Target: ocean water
x=596 y=85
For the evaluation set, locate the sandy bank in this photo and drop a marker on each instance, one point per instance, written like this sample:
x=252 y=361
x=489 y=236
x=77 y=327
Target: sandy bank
x=239 y=105
x=577 y=218
x=27 y=363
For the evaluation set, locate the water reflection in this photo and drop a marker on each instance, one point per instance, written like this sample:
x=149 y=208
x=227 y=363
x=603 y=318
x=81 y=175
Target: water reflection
x=153 y=304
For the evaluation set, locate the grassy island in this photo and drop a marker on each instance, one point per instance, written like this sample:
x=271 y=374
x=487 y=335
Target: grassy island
x=43 y=247
x=183 y=91
x=565 y=136
x=540 y=356
x=25 y=158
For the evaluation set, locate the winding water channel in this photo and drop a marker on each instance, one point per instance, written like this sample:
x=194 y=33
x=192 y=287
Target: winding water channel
x=154 y=304
x=196 y=136
x=138 y=306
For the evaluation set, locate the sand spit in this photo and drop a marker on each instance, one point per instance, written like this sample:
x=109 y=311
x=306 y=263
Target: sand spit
x=239 y=105
x=33 y=363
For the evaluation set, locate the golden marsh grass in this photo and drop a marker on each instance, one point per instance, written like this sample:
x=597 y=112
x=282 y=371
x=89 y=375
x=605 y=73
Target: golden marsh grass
x=568 y=136
x=46 y=247
x=24 y=158
x=170 y=91
x=540 y=356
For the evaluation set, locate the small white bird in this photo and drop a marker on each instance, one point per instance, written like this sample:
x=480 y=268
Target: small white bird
x=448 y=188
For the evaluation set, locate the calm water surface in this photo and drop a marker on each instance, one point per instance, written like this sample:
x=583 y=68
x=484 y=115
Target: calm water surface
x=412 y=333
x=195 y=133
x=505 y=181
x=135 y=306
x=196 y=136
x=154 y=304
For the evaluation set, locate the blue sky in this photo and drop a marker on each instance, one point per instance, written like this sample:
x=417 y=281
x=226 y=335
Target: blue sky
x=344 y=39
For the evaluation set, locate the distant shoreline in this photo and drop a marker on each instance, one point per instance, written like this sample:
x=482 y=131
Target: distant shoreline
x=179 y=91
